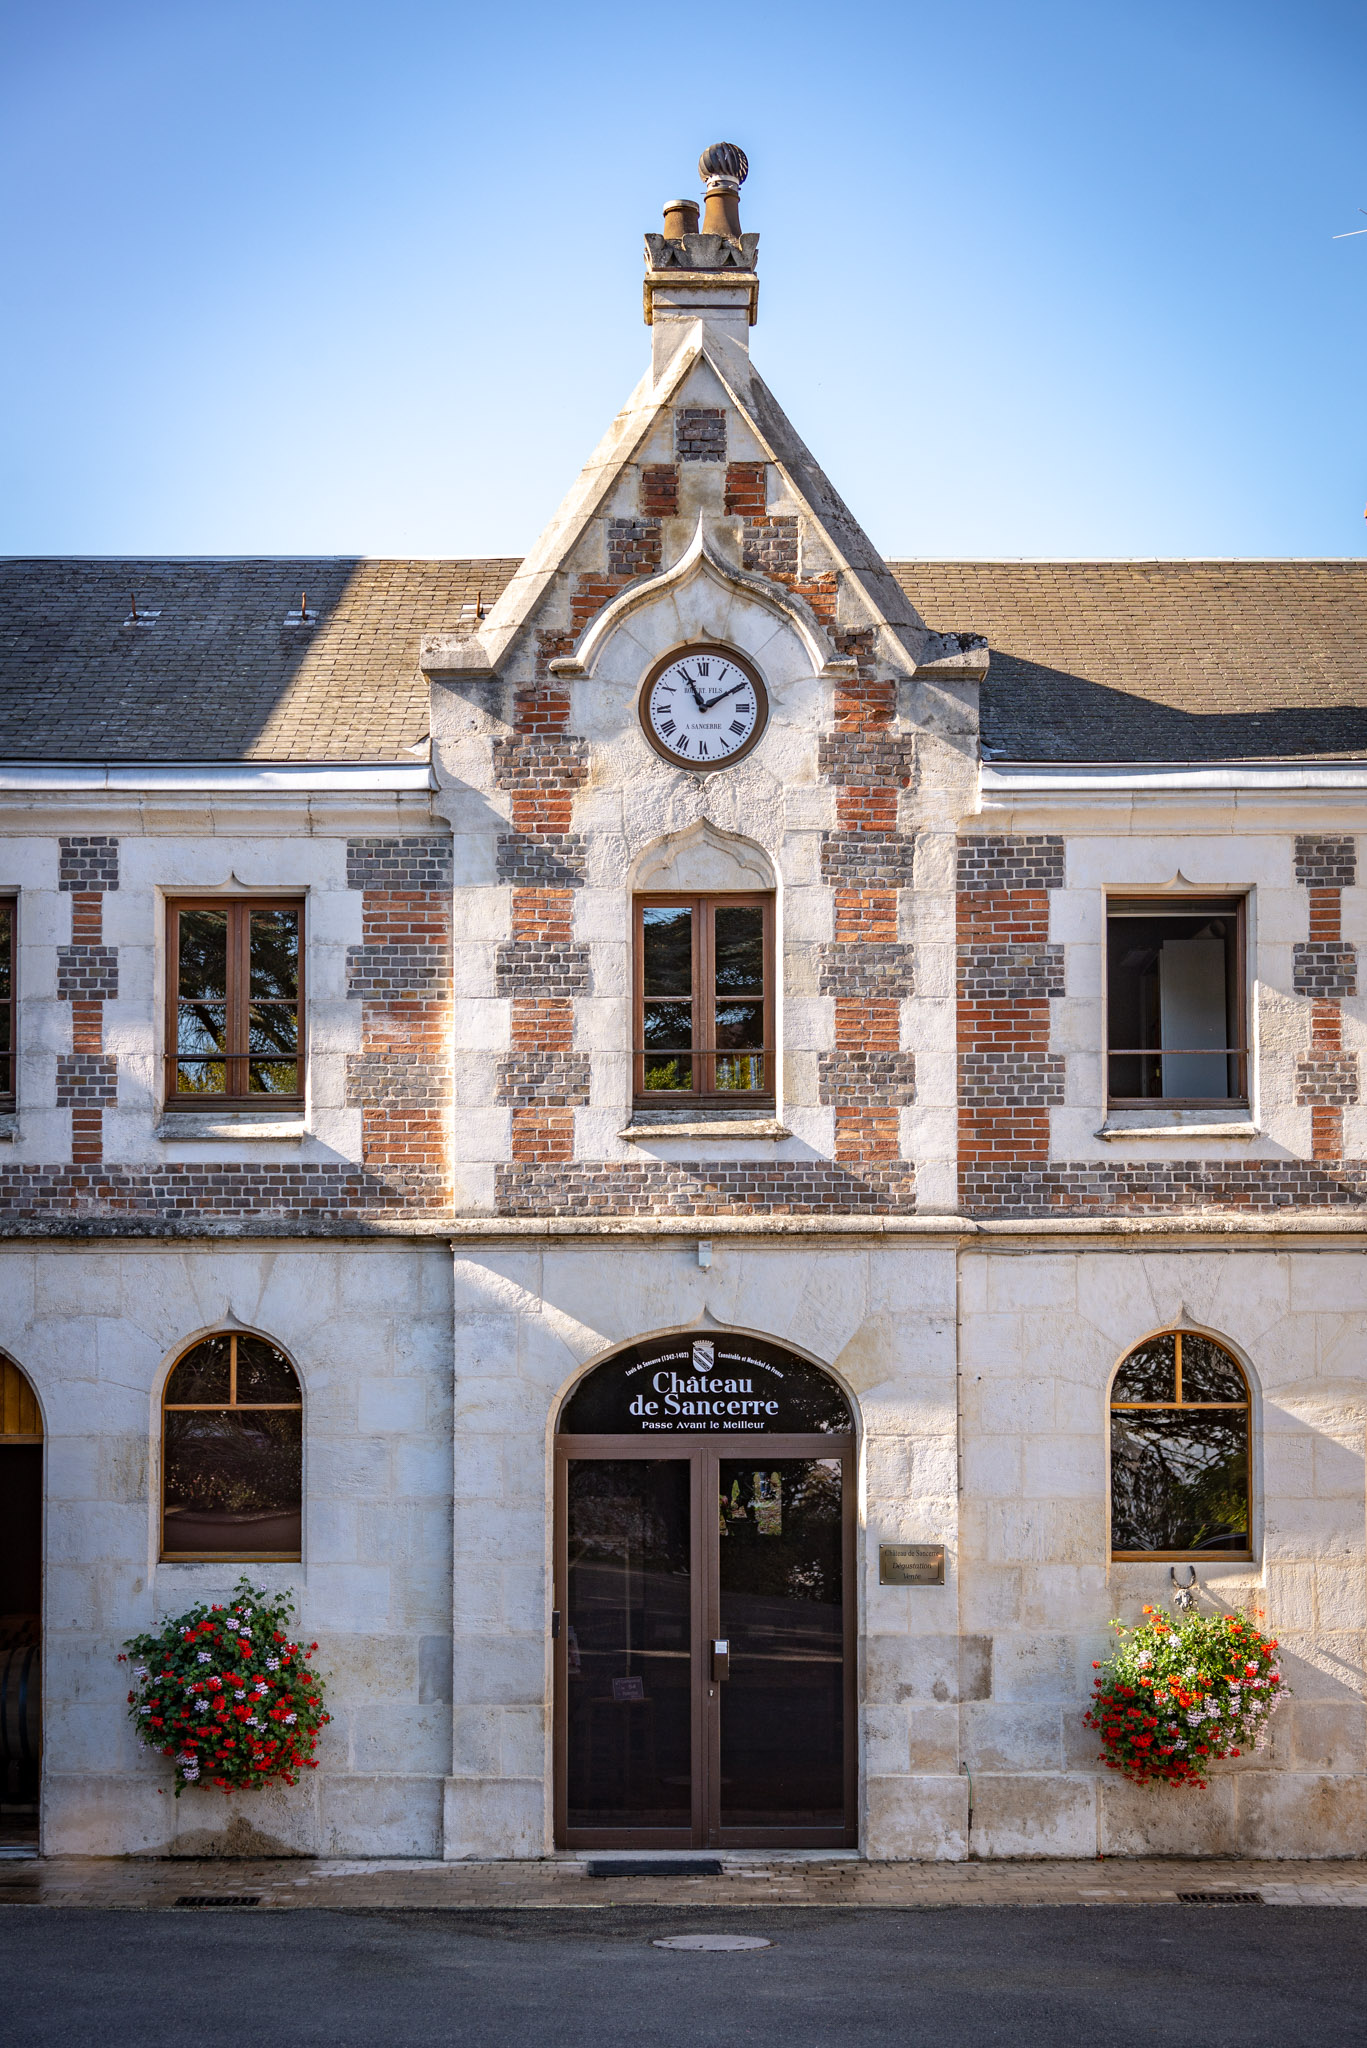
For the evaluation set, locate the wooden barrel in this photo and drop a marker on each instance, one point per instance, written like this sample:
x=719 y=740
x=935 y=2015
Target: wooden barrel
x=20 y=1702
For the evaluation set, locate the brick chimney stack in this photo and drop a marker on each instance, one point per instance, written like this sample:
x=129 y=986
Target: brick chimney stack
x=708 y=276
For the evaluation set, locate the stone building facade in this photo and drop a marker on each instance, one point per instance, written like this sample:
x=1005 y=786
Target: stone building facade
x=941 y=1197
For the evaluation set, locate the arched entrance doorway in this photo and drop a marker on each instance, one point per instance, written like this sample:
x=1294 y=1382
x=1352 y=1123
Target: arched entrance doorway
x=21 y=1592
x=705 y=1614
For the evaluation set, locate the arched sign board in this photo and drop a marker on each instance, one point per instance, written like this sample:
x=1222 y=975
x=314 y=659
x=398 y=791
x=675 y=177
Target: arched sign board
x=733 y=1385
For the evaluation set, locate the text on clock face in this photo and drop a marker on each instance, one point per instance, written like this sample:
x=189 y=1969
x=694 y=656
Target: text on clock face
x=703 y=708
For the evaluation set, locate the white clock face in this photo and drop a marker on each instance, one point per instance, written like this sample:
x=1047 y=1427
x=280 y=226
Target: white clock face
x=703 y=708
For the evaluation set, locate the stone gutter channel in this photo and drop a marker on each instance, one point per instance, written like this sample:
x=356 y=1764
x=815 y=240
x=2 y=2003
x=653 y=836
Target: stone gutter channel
x=568 y=1883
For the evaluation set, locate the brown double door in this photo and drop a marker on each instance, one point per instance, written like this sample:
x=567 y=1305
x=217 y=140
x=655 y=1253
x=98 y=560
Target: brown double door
x=704 y=1642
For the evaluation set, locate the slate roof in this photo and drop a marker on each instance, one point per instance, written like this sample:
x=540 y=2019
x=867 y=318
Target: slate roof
x=219 y=676
x=1091 y=661
x=1161 y=661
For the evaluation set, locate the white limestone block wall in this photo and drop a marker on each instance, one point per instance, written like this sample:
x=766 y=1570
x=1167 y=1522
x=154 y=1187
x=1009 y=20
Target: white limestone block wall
x=1042 y=1331
x=527 y=1322
x=96 y=1327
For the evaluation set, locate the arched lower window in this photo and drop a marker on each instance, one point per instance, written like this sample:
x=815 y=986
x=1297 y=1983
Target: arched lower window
x=1179 y=1450
x=232 y=1452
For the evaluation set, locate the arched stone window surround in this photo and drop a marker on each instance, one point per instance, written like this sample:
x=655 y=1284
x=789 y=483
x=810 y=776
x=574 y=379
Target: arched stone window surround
x=1235 y=1354
x=259 y=1533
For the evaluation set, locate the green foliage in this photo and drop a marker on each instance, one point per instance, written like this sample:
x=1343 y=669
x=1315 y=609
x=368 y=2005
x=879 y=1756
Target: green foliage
x=225 y=1692
x=1175 y=1696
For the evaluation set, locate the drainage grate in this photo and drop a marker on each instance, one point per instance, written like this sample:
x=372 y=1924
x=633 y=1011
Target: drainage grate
x=1219 y=1898
x=657 y=1866
x=199 y=1900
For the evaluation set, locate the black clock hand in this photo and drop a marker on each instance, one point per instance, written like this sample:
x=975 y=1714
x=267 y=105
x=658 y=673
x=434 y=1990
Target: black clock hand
x=744 y=684
x=693 y=687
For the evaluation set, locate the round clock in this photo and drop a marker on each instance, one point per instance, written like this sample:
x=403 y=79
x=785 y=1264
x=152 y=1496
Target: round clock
x=703 y=707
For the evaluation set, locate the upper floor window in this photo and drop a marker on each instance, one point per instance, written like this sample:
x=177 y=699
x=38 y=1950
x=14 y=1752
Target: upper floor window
x=8 y=920
x=704 y=1008
x=235 y=988
x=232 y=1452
x=1175 y=1005
x=1179 y=1450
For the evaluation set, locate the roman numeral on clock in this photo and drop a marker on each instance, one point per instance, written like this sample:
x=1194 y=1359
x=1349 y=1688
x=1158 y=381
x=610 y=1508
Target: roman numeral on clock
x=737 y=727
x=666 y=726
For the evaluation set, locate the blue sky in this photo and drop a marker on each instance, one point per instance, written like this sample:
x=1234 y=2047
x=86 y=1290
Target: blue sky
x=1036 y=280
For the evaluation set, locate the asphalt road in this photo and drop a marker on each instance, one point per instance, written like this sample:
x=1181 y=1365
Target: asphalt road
x=1246 y=1976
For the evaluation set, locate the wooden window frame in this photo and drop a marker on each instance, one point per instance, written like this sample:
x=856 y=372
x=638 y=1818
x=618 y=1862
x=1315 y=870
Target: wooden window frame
x=1215 y=904
x=1244 y=1407
x=9 y=1097
x=222 y=1408
x=702 y=904
x=239 y=910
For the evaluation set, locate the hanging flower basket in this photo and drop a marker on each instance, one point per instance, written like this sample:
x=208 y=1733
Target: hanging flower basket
x=225 y=1692
x=1177 y=1695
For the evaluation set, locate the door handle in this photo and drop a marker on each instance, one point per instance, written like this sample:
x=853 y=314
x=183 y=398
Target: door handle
x=721 y=1659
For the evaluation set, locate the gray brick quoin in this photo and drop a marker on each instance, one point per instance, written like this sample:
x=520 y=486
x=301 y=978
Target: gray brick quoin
x=634 y=547
x=393 y=1079
x=541 y=967
x=541 y=761
x=700 y=434
x=541 y=860
x=544 y=1080
x=87 y=974
x=866 y=860
x=867 y=1080
x=409 y=967
x=1033 y=862
x=1326 y=862
x=1325 y=967
x=399 y=864
x=697 y=1188
x=1010 y=1080
x=769 y=547
x=1327 y=1079
x=86 y=1080
x=1257 y=1187
x=87 y=864
x=1009 y=974
x=881 y=970
x=868 y=760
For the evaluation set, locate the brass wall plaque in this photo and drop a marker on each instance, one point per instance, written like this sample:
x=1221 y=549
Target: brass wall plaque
x=911 y=1564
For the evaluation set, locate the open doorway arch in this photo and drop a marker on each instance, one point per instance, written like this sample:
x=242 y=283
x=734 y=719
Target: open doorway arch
x=21 y=1606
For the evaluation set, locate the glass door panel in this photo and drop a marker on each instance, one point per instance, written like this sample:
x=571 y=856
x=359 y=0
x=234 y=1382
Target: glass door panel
x=781 y=1609
x=628 y=1661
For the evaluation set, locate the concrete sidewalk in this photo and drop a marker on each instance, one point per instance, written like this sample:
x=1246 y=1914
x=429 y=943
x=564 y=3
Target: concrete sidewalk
x=746 y=1880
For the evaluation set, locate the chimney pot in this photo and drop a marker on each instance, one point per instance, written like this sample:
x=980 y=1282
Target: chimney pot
x=725 y=167
x=681 y=218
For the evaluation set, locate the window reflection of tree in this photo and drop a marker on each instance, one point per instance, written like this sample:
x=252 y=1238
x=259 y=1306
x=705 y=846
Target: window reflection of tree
x=1179 y=1450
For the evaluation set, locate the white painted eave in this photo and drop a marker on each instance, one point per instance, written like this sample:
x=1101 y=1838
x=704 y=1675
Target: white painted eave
x=222 y=778
x=1069 y=780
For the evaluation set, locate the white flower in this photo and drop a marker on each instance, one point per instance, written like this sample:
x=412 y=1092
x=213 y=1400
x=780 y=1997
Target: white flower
x=201 y=1706
x=144 y=1710
x=289 y=1720
x=1144 y=1657
x=272 y=1663
x=139 y=1671
x=204 y=1657
x=239 y=1695
x=252 y=1721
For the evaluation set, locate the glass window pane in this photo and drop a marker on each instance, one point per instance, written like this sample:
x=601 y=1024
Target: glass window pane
x=739 y=1024
x=202 y=1028
x=263 y=1373
x=629 y=1740
x=273 y=1077
x=1209 y=1373
x=1149 y=1373
x=743 y=1071
x=668 y=1073
x=201 y=1077
x=1179 y=1479
x=6 y=1071
x=783 y=1707
x=275 y=954
x=6 y=1018
x=6 y=949
x=739 y=944
x=273 y=1028
x=233 y=1479
x=668 y=1027
x=203 y=1374
x=667 y=950
x=204 y=955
